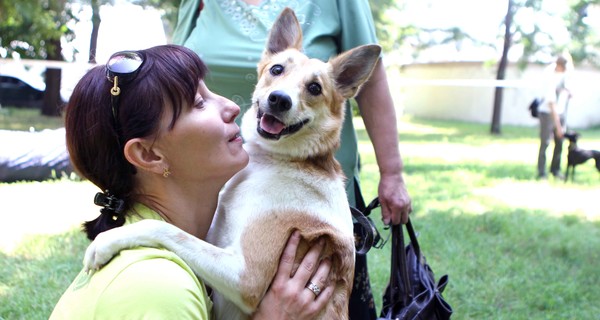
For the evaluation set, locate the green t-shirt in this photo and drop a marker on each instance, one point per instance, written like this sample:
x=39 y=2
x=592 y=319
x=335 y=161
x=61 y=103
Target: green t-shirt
x=141 y=283
x=230 y=36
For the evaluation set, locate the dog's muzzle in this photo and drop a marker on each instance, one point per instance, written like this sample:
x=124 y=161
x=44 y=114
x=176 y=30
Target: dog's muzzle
x=269 y=127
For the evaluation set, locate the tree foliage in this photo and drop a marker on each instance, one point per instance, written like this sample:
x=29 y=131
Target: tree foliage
x=585 y=40
x=31 y=27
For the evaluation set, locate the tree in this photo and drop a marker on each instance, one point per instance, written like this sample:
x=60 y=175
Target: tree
x=168 y=7
x=502 y=67
x=582 y=45
x=585 y=41
x=33 y=29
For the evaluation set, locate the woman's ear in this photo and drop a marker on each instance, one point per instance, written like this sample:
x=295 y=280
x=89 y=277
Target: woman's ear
x=140 y=153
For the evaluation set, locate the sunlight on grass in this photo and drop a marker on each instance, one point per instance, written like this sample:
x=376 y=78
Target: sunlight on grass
x=48 y=207
x=553 y=198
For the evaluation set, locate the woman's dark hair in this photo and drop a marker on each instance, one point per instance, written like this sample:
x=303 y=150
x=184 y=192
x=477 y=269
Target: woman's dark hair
x=169 y=77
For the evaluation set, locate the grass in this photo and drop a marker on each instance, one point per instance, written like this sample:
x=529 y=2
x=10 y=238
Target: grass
x=513 y=247
x=26 y=119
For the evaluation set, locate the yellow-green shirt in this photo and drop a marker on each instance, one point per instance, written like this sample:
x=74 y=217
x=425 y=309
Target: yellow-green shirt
x=140 y=283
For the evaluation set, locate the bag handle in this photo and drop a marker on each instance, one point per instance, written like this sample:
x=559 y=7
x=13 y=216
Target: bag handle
x=399 y=272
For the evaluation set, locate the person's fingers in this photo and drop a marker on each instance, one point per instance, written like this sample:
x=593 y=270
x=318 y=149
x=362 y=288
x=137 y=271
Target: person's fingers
x=319 y=280
x=310 y=262
x=324 y=297
x=286 y=263
x=395 y=212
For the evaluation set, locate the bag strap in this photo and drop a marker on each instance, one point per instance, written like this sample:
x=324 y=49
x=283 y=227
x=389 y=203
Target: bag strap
x=413 y=239
x=399 y=271
x=368 y=227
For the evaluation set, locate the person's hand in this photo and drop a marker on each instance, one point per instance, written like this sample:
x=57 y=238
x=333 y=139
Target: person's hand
x=288 y=297
x=395 y=202
x=559 y=132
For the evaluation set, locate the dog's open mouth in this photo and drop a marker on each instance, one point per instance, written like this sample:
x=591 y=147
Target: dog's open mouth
x=269 y=127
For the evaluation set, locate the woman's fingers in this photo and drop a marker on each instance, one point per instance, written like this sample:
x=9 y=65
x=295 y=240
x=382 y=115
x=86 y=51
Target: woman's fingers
x=317 y=284
x=286 y=263
x=313 y=275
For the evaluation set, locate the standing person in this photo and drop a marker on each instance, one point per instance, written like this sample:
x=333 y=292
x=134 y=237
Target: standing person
x=552 y=113
x=238 y=30
x=148 y=132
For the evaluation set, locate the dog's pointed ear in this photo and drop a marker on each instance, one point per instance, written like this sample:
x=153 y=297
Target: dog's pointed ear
x=353 y=68
x=285 y=33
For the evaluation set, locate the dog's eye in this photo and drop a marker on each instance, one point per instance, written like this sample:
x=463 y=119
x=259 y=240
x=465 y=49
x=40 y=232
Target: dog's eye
x=314 y=89
x=276 y=70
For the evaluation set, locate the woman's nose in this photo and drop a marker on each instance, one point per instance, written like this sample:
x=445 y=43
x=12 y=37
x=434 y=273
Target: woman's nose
x=231 y=111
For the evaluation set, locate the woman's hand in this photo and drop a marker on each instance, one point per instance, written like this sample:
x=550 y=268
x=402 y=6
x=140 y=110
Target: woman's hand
x=288 y=297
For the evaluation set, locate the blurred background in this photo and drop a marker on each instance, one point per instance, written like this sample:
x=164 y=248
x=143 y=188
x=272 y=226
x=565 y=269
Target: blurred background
x=487 y=52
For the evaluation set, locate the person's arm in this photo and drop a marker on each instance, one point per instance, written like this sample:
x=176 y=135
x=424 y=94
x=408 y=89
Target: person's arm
x=378 y=113
x=558 y=129
x=288 y=297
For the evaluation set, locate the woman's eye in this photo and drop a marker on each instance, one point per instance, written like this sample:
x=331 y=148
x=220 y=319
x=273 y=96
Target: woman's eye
x=199 y=103
x=276 y=70
x=314 y=89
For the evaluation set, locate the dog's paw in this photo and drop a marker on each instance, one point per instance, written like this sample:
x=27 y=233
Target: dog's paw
x=98 y=253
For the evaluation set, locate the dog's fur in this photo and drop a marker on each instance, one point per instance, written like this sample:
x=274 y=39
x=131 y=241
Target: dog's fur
x=292 y=181
x=577 y=156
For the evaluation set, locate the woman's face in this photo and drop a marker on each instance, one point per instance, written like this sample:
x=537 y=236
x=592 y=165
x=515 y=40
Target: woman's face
x=205 y=142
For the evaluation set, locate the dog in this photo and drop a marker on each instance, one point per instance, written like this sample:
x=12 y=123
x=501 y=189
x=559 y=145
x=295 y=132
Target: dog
x=292 y=182
x=577 y=156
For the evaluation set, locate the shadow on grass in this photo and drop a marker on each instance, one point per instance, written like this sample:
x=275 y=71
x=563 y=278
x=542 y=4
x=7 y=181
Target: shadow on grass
x=508 y=263
x=34 y=276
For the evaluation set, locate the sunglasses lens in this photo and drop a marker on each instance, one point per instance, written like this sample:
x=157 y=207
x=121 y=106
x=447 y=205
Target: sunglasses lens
x=123 y=63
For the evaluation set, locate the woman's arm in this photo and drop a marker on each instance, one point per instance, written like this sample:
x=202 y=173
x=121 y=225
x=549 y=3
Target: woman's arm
x=378 y=113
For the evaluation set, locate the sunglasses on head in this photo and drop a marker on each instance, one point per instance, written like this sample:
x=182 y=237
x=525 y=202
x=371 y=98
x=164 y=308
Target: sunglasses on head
x=121 y=68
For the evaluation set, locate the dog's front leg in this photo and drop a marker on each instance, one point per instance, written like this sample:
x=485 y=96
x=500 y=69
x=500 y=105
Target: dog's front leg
x=220 y=268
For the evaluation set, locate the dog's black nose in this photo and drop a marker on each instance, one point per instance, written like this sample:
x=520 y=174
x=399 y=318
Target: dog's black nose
x=280 y=101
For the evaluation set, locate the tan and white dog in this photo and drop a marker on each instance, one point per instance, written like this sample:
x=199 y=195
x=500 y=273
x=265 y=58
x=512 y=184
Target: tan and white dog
x=292 y=182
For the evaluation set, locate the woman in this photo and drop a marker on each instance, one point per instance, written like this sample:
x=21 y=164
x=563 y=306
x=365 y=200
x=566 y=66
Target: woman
x=148 y=132
x=238 y=30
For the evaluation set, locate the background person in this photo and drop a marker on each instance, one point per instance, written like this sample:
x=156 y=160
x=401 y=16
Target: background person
x=238 y=31
x=147 y=131
x=552 y=115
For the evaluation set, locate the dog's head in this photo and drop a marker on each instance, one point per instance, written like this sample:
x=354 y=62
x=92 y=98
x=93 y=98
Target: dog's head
x=298 y=103
x=572 y=136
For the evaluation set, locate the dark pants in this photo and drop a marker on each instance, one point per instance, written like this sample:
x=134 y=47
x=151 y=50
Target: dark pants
x=546 y=133
x=362 y=305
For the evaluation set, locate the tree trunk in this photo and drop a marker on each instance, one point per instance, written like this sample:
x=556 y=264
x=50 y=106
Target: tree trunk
x=95 y=27
x=52 y=100
x=500 y=75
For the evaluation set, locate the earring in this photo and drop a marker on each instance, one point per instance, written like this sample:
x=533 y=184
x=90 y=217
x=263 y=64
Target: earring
x=166 y=172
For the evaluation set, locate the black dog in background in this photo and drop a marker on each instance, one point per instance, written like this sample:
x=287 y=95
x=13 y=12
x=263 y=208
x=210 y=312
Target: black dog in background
x=577 y=156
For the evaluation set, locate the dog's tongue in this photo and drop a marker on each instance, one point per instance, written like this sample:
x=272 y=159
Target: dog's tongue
x=271 y=125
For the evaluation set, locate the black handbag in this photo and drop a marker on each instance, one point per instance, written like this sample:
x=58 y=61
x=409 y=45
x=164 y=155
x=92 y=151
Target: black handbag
x=412 y=292
x=534 y=107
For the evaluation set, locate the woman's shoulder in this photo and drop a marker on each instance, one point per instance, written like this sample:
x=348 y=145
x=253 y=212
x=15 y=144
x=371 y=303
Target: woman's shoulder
x=155 y=281
x=137 y=283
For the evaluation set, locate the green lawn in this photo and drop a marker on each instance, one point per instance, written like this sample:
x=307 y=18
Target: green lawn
x=513 y=247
